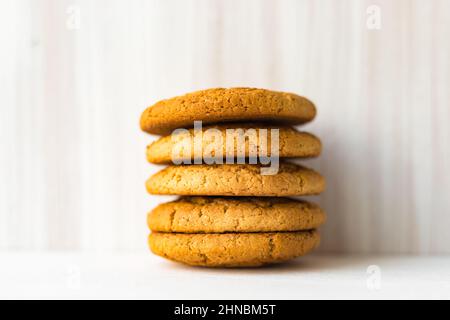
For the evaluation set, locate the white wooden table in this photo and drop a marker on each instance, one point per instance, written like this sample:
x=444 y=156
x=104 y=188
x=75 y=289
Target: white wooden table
x=143 y=276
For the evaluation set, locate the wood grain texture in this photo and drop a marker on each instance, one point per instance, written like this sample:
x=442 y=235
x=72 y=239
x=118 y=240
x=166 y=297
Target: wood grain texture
x=72 y=159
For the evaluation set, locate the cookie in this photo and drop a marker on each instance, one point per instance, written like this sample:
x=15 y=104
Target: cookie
x=226 y=105
x=233 y=249
x=235 y=180
x=245 y=140
x=220 y=215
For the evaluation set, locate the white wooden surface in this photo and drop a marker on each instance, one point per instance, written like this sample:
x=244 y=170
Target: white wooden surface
x=72 y=166
x=143 y=276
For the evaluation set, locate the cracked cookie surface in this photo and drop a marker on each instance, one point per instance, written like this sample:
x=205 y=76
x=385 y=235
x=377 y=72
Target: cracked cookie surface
x=226 y=105
x=180 y=147
x=233 y=249
x=235 y=180
x=229 y=214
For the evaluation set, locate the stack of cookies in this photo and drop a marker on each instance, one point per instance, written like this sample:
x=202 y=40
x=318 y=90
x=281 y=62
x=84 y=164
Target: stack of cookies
x=235 y=208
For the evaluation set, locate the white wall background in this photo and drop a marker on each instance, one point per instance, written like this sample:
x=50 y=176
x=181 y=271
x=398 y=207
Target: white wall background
x=72 y=165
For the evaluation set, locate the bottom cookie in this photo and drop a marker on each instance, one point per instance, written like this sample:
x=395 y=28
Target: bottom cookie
x=233 y=249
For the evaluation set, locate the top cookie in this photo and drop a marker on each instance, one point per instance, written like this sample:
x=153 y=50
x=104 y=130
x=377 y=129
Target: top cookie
x=226 y=105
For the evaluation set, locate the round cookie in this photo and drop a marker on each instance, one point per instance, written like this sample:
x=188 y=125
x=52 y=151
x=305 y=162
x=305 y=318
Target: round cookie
x=226 y=105
x=220 y=215
x=246 y=137
x=235 y=180
x=233 y=249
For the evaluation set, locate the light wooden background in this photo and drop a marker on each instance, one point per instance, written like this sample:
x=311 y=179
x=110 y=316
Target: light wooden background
x=72 y=166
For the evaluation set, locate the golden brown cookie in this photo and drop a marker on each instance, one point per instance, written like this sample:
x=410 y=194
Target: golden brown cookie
x=226 y=105
x=233 y=249
x=228 y=214
x=243 y=140
x=235 y=180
